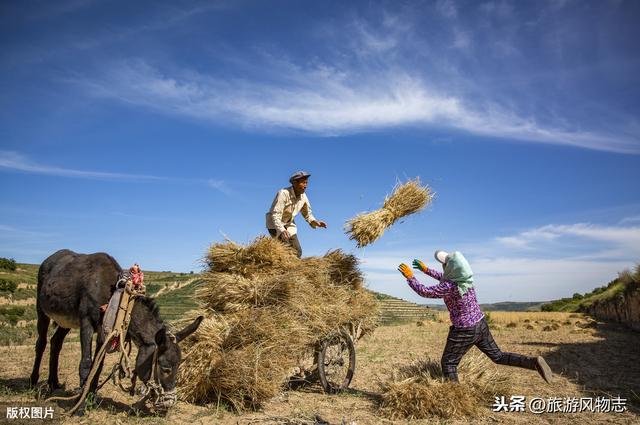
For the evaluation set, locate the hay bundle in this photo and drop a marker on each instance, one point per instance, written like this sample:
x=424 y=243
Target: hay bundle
x=418 y=391
x=406 y=199
x=265 y=310
x=264 y=256
x=343 y=269
x=230 y=292
x=205 y=351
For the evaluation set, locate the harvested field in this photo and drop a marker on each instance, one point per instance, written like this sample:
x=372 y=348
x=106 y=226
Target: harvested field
x=597 y=360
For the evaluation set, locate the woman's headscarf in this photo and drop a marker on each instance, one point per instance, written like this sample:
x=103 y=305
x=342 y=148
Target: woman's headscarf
x=458 y=270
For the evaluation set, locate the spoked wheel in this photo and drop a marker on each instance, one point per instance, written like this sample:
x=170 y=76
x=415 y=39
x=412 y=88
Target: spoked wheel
x=306 y=371
x=336 y=362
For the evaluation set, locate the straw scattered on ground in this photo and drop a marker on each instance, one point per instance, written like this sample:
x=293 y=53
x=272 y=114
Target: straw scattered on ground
x=406 y=199
x=418 y=390
x=265 y=311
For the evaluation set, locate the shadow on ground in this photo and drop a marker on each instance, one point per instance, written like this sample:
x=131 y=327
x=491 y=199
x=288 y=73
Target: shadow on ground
x=608 y=368
x=310 y=386
x=15 y=385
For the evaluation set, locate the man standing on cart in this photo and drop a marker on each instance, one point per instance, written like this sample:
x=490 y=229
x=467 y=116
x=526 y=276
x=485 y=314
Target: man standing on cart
x=286 y=205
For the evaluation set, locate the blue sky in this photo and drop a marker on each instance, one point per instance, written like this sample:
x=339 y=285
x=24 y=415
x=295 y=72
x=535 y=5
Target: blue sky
x=149 y=130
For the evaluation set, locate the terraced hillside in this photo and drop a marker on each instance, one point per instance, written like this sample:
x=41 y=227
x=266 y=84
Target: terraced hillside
x=394 y=310
x=17 y=303
x=174 y=292
x=175 y=303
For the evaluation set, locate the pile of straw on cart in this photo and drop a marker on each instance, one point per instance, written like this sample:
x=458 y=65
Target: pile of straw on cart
x=265 y=309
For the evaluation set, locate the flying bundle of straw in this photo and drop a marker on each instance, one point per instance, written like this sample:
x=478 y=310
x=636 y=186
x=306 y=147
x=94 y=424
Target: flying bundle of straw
x=265 y=309
x=407 y=198
x=418 y=391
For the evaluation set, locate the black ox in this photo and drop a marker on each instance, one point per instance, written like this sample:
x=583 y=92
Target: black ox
x=71 y=289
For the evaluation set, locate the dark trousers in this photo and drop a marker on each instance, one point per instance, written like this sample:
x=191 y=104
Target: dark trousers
x=460 y=340
x=293 y=241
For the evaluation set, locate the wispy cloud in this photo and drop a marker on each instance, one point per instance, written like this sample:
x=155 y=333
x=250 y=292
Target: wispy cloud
x=632 y=219
x=327 y=101
x=166 y=19
x=15 y=232
x=220 y=185
x=17 y=162
x=25 y=243
x=375 y=88
x=622 y=240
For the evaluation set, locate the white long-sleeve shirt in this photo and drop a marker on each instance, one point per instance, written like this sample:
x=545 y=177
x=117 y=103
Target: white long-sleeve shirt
x=284 y=209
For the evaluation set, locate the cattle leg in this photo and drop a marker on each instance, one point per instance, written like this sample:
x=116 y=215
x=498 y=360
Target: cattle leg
x=86 y=337
x=43 y=327
x=56 y=346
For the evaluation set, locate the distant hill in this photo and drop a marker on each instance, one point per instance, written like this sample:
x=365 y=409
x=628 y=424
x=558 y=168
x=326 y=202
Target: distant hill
x=619 y=300
x=173 y=291
x=512 y=306
x=501 y=306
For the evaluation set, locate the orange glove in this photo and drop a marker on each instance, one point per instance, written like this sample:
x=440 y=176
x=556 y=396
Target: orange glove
x=405 y=270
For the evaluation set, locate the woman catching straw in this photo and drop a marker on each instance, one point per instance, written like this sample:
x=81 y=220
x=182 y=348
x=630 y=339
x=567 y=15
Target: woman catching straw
x=469 y=325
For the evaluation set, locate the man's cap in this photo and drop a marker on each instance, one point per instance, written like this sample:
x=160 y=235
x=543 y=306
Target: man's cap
x=441 y=256
x=298 y=175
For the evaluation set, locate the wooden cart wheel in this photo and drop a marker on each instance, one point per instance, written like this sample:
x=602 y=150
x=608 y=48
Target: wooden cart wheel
x=336 y=362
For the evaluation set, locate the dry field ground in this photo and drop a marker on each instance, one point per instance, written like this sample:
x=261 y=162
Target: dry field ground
x=589 y=359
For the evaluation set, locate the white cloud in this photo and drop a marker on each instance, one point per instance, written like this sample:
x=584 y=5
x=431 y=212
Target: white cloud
x=219 y=185
x=513 y=279
x=622 y=239
x=14 y=161
x=325 y=100
x=632 y=219
x=542 y=279
x=10 y=232
x=576 y=258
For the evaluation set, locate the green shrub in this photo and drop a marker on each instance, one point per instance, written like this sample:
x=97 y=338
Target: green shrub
x=13 y=336
x=24 y=293
x=7 y=285
x=7 y=263
x=13 y=313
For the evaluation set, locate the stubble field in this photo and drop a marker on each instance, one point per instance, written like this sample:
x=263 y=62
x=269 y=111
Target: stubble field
x=589 y=359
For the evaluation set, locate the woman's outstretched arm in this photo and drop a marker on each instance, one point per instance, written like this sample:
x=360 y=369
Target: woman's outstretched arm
x=435 y=291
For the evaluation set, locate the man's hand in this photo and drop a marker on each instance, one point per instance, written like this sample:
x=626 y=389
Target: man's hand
x=285 y=235
x=405 y=270
x=319 y=223
x=419 y=265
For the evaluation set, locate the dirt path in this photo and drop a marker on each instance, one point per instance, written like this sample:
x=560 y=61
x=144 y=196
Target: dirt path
x=173 y=287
